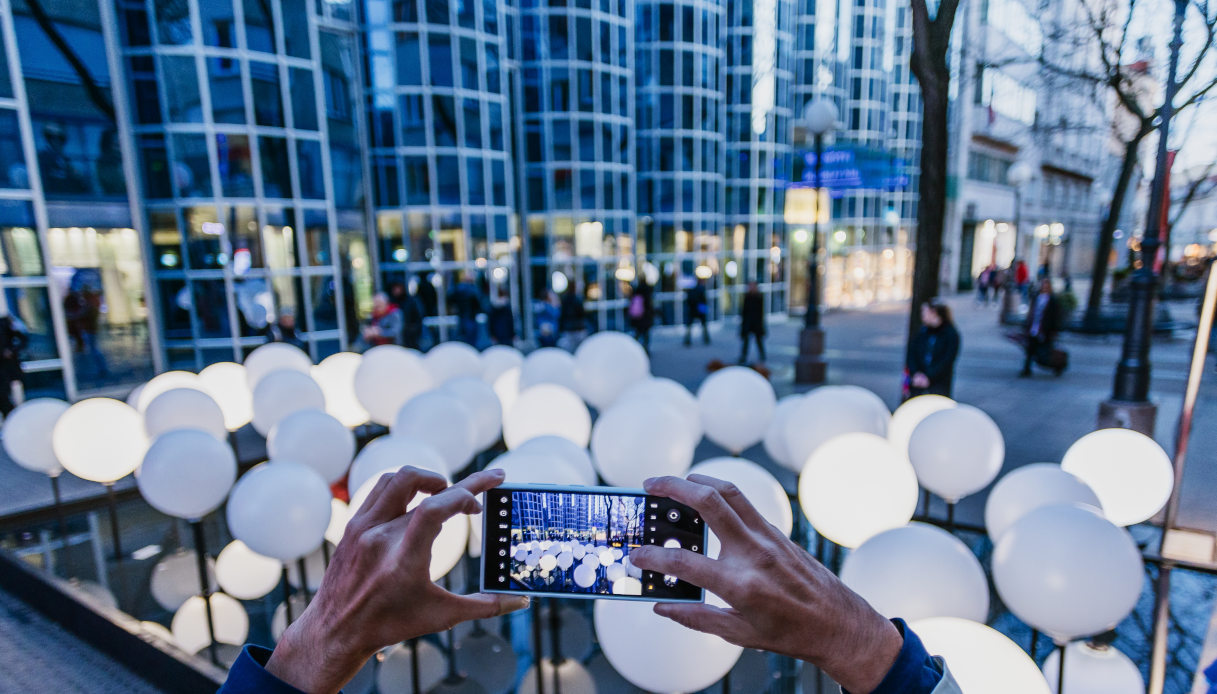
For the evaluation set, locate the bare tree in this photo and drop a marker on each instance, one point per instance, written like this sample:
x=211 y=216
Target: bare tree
x=929 y=64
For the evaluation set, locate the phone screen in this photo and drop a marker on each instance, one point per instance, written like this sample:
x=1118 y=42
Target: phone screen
x=576 y=542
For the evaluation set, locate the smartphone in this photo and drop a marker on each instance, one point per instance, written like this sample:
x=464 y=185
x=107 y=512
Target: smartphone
x=575 y=542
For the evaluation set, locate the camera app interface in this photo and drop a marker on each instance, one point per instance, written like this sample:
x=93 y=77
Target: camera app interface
x=579 y=543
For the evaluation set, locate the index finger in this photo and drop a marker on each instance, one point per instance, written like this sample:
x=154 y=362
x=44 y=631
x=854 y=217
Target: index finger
x=704 y=499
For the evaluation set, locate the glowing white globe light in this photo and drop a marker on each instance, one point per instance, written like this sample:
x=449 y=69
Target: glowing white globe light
x=281 y=393
x=441 y=420
x=758 y=486
x=100 y=439
x=828 y=412
x=548 y=365
x=956 y=452
x=498 y=360
x=163 y=383
x=637 y=441
x=1067 y=571
x=226 y=383
x=387 y=378
x=572 y=677
x=450 y=360
x=736 y=404
x=481 y=400
x=606 y=364
x=1029 y=487
x=856 y=486
x=391 y=453
x=316 y=439
x=280 y=509
x=1129 y=472
x=916 y=572
x=556 y=446
x=449 y=545
x=775 y=435
x=1093 y=670
x=546 y=410
x=230 y=622
x=980 y=658
x=245 y=574
x=906 y=417
x=176 y=577
x=667 y=390
x=275 y=356
x=27 y=434
x=532 y=468
x=187 y=473
x=184 y=408
x=336 y=376
x=657 y=654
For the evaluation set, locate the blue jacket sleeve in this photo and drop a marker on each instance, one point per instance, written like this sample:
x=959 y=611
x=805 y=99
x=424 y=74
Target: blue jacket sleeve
x=915 y=671
x=249 y=676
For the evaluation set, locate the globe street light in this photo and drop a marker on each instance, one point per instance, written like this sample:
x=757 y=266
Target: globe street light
x=819 y=119
x=1019 y=175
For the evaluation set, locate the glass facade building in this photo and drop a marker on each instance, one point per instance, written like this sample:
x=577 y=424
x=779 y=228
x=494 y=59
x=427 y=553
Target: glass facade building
x=180 y=177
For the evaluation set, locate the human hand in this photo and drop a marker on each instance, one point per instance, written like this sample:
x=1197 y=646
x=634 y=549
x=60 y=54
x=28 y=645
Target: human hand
x=781 y=599
x=920 y=380
x=377 y=590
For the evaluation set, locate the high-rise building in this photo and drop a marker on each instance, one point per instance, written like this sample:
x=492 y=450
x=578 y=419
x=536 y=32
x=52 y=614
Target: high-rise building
x=182 y=180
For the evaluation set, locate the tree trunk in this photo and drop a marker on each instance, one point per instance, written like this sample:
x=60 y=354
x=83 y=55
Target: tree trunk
x=1092 y=321
x=934 y=77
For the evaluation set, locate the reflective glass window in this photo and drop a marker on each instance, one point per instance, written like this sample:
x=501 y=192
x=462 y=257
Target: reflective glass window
x=227 y=94
x=276 y=174
x=268 y=100
x=235 y=164
x=181 y=79
x=192 y=171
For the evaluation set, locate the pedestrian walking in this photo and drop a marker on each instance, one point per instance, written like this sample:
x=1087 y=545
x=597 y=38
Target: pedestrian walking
x=696 y=310
x=572 y=318
x=1040 y=330
x=641 y=312
x=752 y=322
x=13 y=341
x=384 y=325
x=930 y=361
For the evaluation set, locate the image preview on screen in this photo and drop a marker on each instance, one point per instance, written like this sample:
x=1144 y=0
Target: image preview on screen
x=579 y=543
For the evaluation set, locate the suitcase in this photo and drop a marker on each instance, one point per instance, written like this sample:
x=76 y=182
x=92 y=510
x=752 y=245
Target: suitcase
x=1053 y=358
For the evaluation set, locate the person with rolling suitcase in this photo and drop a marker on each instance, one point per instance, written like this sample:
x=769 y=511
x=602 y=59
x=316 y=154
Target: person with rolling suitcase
x=1041 y=328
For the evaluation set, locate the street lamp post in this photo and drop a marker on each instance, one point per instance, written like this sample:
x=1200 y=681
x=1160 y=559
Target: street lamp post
x=820 y=119
x=1129 y=405
x=1019 y=175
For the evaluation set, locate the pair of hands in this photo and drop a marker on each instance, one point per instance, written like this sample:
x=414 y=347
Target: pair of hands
x=378 y=590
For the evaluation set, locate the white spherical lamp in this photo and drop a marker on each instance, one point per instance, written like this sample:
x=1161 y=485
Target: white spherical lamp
x=280 y=510
x=956 y=452
x=187 y=473
x=100 y=439
x=856 y=486
x=980 y=658
x=606 y=364
x=336 y=376
x=450 y=360
x=275 y=356
x=916 y=572
x=387 y=378
x=1131 y=474
x=184 y=408
x=280 y=393
x=545 y=410
x=1027 y=488
x=828 y=412
x=227 y=384
x=315 y=438
x=245 y=574
x=27 y=434
x=637 y=441
x=1067 y=571
x=441 y=420
x=657 y=654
